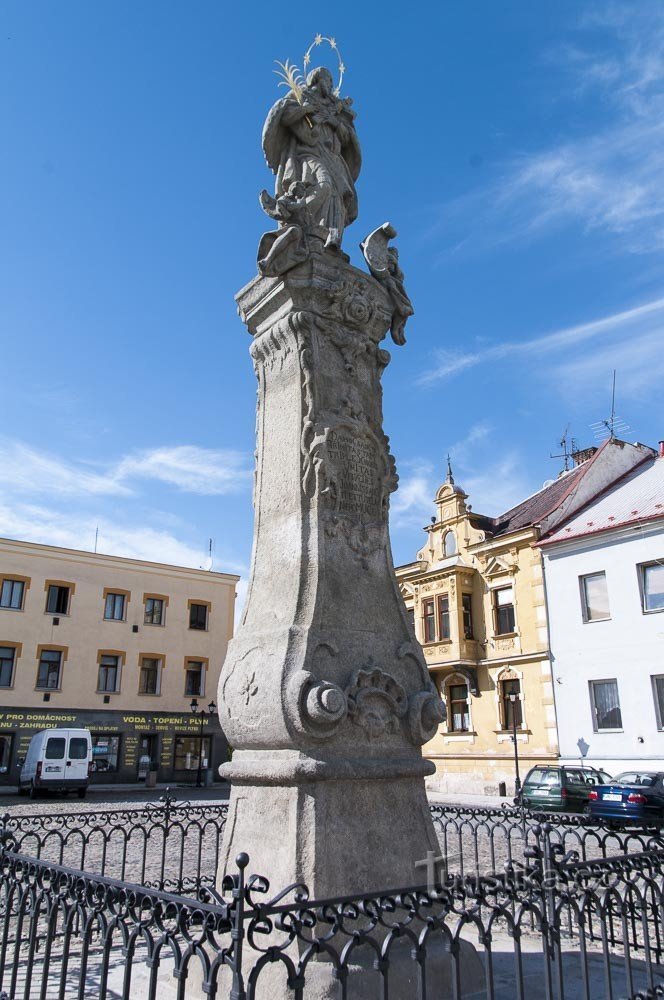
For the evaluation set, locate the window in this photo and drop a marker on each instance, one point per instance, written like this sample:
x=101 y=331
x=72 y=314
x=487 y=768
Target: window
x=187 y=749
x=410 y=615
x=114 y=607
x=467 y=607
x=605 y=705
x=78 y=748
x=48 y=675
x=195 y=678
x=444 y=616
x=198 y=614
x=57 y=599
x=55 y=748
x=449 y=544
x=429 y=621
x=109 y=673
x=652 y=587
x=105 y=753
x=594 y=597
x=7 y=657
x=503 y=610
x=149 y=681
x=658 y=693
x=154 y=611
x=512 y=714
x=5 y=752
x=11 y=594
x=458 y=713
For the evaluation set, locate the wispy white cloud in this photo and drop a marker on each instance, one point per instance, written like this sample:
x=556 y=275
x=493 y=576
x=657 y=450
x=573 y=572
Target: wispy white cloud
x=625 y=340
x=196 y=470
x=494 y=483
x=31 y=472
x=609 y=179
x=121 y=537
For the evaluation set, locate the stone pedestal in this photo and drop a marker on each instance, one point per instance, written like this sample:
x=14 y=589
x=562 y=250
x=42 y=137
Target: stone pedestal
x=324 y=696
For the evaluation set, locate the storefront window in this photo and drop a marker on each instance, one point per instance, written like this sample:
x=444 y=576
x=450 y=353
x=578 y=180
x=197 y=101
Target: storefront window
x=186 y=753
x=5 y=753
x=105 y=753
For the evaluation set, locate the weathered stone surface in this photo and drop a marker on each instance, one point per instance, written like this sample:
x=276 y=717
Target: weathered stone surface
x=324 y=695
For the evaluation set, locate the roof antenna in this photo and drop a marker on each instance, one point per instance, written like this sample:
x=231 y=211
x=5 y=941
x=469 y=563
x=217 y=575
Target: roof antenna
x=614 y=423
x=96 y=536
x=569 y=447
x=208 y=561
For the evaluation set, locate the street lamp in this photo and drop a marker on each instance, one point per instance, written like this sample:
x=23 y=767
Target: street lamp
x=202 y=715
x=514 y=698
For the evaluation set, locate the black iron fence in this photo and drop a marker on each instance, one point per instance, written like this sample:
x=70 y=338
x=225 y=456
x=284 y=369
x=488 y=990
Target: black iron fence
x=122 y=904
x=166 y=845
x=479 y=841
x=553 y=929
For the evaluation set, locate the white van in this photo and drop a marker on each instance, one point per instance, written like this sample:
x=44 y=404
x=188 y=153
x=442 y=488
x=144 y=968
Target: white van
x=57 y=760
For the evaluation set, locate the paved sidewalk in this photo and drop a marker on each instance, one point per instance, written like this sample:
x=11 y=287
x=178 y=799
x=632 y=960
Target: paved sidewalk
x=480 y=801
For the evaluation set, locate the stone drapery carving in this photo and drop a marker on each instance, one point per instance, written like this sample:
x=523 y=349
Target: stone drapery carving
x=312 y=147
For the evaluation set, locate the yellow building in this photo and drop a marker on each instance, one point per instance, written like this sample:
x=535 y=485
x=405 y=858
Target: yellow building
x=119 y=646
x=478 y=606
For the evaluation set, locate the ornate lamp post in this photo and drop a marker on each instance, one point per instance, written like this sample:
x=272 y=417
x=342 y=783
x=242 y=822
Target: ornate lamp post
x=202 y=715
x=514 y=699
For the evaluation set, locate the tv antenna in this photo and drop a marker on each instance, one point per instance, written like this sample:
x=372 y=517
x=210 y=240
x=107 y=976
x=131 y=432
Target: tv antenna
x=569 y=446
x=208 y=562
x=604 y=428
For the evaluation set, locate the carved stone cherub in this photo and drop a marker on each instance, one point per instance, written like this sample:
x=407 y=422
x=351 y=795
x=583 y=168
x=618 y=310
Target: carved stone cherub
x=383 y=261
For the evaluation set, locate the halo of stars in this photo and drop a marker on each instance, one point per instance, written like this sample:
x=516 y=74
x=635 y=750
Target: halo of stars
x=318 y=40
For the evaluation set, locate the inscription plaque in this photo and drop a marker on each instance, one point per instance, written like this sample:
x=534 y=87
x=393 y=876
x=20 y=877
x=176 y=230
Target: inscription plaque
x=356 y=472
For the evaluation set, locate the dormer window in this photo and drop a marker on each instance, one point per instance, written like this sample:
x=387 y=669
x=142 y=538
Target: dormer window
x=449 y=544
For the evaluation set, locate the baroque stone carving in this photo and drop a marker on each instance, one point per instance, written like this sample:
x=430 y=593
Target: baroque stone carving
x=383 y=262
x=376 y=702
x=316 y=706
x=310 y=143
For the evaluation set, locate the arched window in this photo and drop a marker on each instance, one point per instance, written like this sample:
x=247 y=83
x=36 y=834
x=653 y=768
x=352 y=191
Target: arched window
x=457 y=701
x=449 y=544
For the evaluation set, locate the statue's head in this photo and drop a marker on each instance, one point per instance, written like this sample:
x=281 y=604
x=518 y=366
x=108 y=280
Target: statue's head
x=321 y=78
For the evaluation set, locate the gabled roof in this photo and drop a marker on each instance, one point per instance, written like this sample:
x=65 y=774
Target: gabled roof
x=636 y=498
x=531 y=510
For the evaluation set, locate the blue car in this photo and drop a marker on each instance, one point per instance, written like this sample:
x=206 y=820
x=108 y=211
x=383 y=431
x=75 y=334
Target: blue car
x=633 y=797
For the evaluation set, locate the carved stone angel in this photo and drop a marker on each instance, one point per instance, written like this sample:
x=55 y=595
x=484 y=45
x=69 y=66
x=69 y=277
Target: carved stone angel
x=313 y=149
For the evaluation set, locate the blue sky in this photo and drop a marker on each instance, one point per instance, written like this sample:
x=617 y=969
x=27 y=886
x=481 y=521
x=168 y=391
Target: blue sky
x=518 y=148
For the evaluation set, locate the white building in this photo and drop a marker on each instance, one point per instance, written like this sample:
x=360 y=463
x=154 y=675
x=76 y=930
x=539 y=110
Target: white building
x=604 y=575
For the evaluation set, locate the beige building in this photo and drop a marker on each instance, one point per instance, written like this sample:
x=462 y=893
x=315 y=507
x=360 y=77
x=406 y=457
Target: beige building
x=119 y=646
x=478 y=605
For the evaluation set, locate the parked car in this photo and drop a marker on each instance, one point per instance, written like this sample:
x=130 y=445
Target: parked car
x=57 y=760
x=561 y=788
x=632 y=797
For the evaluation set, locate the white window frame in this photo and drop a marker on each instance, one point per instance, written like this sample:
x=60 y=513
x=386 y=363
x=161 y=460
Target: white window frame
x=641 y=569
x=593 y=708
x=587 y=620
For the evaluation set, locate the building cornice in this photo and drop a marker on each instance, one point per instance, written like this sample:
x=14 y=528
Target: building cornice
x=82 y=557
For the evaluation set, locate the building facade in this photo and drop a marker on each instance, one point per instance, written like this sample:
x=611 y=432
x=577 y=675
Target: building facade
x=604 y=571
x=477 y=602
x=120 y=646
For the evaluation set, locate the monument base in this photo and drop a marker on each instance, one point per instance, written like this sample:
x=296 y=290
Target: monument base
x=334 y=826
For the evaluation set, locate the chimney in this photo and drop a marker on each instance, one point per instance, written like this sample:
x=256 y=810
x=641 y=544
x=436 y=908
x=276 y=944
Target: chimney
x=583 y=454
x=661 y=449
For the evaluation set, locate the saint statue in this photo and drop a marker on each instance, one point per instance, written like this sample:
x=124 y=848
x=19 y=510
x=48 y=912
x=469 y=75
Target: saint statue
x=310 y=143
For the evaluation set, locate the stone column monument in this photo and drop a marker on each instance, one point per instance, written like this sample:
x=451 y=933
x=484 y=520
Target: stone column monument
x=324 y=696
